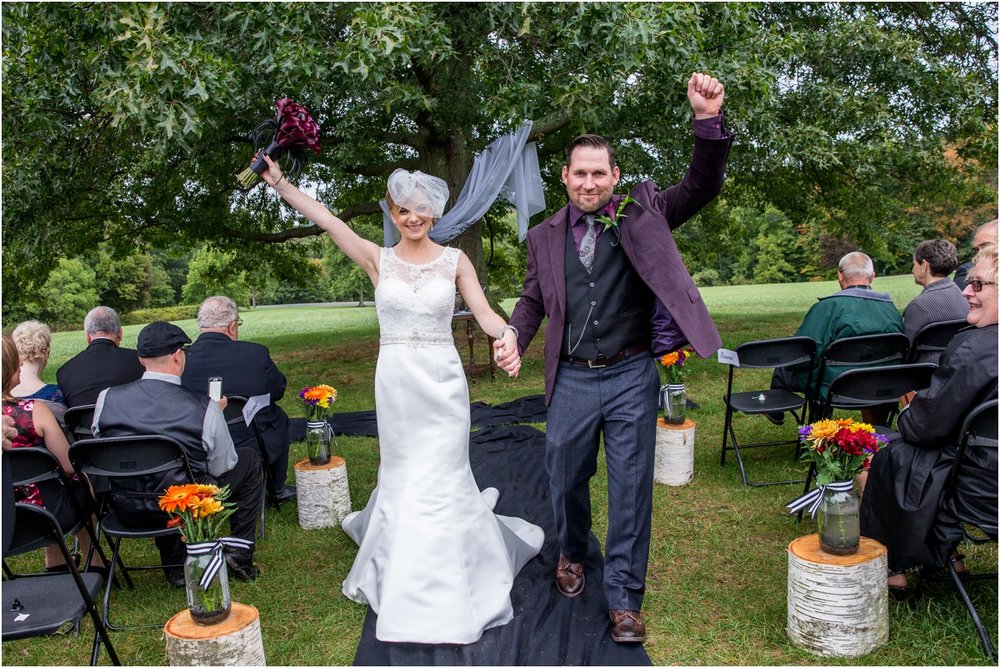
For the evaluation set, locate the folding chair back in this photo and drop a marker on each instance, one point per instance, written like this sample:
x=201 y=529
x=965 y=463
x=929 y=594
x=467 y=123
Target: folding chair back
x=876 y=386
x=38 y=465
x=932 y=339
x=765 y=354
x=979 y=433
x=46 y=605
x=858 y=352
x=139 y=468
x=78 y=421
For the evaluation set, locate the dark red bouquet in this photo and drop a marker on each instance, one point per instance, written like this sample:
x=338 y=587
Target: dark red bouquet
x=289 y=134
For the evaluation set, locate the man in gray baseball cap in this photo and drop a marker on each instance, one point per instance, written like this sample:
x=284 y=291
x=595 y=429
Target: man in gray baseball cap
x=158 y=404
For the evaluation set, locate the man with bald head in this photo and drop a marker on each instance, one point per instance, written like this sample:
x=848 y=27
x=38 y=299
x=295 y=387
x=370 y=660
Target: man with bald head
x=104 y=363
x=985 y=234
x=857 y=309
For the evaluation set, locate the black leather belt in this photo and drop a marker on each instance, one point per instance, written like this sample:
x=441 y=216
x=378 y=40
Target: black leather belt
x=602 y=361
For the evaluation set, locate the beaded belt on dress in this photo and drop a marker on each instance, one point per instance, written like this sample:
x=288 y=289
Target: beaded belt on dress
x=418 y=338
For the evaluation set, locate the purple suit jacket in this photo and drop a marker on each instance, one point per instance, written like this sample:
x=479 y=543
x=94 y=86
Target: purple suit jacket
x=649 y=246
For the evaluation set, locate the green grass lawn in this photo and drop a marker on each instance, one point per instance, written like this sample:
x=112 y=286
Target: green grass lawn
x=717 y=572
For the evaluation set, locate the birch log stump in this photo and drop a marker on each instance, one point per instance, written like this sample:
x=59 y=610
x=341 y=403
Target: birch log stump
x=837 y=605
x=235 y=641
x=323 y=496
x=673 y=462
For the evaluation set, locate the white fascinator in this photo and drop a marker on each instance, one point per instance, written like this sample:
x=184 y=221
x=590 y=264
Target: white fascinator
x=422 y=193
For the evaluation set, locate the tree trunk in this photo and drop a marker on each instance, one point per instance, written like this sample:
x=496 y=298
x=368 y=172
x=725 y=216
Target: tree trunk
x=236 y=641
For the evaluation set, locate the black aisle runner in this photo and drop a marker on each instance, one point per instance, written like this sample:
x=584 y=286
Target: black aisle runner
x=363 y=423
x=548 y=628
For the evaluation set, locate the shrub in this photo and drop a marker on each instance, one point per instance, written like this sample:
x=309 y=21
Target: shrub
x=145 y=315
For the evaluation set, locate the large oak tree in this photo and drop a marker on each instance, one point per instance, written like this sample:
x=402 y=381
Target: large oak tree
x=125 y=124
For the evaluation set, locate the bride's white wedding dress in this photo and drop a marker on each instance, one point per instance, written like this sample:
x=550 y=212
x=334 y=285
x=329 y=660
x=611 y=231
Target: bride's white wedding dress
x=434 y=562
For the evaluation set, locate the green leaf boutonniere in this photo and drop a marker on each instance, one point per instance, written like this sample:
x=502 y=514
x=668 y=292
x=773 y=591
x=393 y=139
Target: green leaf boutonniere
x=613 y=216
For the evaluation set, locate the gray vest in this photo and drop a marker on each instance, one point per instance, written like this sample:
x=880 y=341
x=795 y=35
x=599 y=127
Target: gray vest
x=156 y=407
x=607 y=310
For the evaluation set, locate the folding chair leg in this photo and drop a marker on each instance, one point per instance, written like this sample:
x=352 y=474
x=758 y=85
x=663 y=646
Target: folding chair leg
x=984 y=635
x=809 y=478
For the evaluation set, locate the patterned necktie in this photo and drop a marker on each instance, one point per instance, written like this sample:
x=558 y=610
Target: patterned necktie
x=588 y=243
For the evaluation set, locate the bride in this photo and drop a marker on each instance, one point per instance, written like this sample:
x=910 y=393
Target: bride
x=434 y=562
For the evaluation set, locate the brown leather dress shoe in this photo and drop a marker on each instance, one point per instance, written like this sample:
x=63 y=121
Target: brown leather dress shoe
x=627 y=626
x=569 y=577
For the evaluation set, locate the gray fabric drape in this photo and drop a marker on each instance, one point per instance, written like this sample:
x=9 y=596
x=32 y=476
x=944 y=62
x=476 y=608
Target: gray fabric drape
x=506 y=168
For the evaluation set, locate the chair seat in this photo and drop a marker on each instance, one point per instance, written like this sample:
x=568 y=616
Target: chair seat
x=112 y=525
x=774 y=400
x=44 y=602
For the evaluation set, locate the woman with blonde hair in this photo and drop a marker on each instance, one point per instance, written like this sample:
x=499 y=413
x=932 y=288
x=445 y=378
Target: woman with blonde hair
x=37 y=428
x=33 y=340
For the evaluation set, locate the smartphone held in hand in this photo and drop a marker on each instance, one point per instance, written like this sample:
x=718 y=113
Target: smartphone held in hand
x=215 y=388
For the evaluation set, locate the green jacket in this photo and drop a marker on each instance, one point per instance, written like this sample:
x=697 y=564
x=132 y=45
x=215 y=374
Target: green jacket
x=854 y=311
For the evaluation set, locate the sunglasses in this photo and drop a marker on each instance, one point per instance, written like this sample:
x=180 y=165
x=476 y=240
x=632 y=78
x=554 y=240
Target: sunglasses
x=977 y=285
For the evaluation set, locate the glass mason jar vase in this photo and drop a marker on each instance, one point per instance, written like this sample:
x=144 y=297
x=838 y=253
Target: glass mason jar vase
x=318 y=442
x=838 y=523
x=208 y=604
x=673 y=402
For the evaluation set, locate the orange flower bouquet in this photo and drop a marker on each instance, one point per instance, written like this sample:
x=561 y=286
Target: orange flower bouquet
x=199 y=513
x=318 y=400
x=673 y=397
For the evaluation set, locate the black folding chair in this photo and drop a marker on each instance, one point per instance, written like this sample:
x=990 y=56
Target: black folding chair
x=142 y=459
x=766 y=354
x=979 y=431
x=78 y=421
x=48 y=604
x=38 y=465
x=234 y=418
x=932 y=339
x=857 y=352
x=856 y=389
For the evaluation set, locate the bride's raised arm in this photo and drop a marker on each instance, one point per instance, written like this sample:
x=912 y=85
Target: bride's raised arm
x=363 y=252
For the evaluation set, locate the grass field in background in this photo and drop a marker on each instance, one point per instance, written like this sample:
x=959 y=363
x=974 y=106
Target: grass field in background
x=718 y=566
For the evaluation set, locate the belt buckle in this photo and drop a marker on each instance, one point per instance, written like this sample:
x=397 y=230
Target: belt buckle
x=590 y=363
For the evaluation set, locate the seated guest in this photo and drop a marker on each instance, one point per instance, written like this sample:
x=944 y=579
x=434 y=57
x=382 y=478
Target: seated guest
x=33 y=425
x=940 y=299
x=985 y=234
x=157 y=404
x=33 y=339
x=907 y=477
x=102 y=364
x=855 y=310
x=246 y=370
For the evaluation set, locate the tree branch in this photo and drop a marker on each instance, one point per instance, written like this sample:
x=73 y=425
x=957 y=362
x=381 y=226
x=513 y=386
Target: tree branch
x=302 y=232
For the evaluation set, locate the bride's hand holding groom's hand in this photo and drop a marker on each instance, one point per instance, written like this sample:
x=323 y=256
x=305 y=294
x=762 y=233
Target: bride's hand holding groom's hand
x=505 y=353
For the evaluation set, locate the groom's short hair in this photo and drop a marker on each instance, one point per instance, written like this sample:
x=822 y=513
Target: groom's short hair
x=595 y=141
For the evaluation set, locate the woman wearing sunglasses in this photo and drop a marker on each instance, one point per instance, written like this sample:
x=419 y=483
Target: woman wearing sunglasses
x=900 y=503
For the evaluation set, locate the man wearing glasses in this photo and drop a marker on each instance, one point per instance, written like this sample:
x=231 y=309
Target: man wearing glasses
x=246 y=370
x=157 y=404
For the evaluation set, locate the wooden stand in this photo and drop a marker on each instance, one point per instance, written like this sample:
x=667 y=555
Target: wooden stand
x=324 y=498
x=471 y=368
x=837 y=606
x=235 y=641
x=674 y=458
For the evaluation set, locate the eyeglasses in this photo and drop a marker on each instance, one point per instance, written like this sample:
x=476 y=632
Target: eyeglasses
x=977 y=285
x=239 y=322
x=186 y=348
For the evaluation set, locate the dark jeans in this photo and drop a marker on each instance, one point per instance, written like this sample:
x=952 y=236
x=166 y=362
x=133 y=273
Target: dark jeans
x=619 y=402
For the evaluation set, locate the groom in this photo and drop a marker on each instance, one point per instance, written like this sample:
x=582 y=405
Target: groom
x=599 y=286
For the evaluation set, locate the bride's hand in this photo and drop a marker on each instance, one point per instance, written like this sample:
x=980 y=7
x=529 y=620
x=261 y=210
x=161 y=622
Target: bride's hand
x=272 y=175
x=506 y=356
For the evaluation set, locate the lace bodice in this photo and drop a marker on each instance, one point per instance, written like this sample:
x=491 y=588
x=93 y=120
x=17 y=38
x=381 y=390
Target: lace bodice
x=415 y=302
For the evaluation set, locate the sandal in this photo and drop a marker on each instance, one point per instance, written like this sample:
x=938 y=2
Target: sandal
x=899 y=592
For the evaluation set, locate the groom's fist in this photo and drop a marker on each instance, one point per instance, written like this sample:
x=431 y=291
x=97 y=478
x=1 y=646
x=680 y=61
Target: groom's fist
x=705 y=94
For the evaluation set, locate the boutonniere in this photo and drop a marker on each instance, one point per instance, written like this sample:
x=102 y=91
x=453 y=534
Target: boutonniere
x=613 y=216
